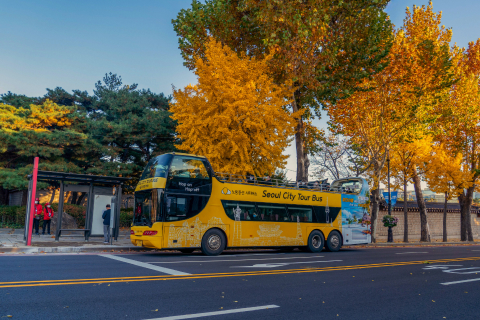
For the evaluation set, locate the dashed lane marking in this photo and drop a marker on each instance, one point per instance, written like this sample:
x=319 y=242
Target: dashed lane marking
x=217 y=313
x=146 y=265
x=236 y=260
x=220 y=275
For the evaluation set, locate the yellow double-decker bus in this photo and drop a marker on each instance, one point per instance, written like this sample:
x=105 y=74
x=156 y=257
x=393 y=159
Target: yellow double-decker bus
x=182 y=204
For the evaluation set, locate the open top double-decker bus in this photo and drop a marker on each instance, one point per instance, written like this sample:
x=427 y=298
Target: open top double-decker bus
x=182 y=204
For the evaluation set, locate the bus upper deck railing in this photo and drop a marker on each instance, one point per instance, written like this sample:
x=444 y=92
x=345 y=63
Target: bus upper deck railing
x=278 y=183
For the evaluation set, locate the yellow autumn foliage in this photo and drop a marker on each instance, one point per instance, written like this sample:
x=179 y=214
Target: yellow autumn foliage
x=37 y=117
x=446 y=173
x=405 y=157
x=236 y=116
x=398 y=103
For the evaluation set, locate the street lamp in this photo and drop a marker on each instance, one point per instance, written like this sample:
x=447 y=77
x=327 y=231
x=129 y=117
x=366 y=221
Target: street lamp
x=390 y=232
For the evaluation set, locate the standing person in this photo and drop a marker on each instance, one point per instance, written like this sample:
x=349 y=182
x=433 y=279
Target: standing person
x=37 y=213
x=47 y=217
x=106 y=223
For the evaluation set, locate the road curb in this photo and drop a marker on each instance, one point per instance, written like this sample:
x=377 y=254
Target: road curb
x=70 y=249
x=419 y=244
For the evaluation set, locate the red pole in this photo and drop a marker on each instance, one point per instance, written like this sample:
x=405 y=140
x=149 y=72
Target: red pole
x=32 y=201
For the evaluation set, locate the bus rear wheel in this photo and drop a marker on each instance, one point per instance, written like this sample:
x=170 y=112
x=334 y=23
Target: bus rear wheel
x=334 y=241
x=186 y=250
x=213 y=242
x=315 y=241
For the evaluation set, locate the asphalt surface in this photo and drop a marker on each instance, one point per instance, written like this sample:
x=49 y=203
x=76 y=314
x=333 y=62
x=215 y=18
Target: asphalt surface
x=362 y=283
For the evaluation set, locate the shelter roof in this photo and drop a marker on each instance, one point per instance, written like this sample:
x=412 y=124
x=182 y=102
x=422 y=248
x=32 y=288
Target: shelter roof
x=76 y=177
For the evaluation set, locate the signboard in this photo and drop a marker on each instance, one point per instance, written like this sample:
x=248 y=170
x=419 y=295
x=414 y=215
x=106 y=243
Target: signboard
x=394 y=197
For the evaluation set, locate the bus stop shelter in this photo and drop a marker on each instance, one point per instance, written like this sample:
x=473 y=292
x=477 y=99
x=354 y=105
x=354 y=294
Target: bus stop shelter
x=97 y=197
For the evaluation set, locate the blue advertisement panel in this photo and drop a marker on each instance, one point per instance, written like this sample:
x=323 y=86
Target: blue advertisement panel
x=394 y=197
x=356 y=218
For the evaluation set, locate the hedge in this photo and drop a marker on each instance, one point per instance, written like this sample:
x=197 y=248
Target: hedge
x=14 y=216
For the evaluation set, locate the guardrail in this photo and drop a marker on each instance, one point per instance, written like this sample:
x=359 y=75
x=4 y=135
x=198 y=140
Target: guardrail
x=279 y=183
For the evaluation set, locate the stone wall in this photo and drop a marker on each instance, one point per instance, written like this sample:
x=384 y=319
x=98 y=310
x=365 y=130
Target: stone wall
x=435 y=222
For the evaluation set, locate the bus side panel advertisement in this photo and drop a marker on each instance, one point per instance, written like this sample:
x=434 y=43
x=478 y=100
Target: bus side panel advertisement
x=355 y=219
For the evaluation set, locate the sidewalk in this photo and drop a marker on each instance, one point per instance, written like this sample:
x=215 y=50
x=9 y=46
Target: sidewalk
x=419 y=244
x=11 y=241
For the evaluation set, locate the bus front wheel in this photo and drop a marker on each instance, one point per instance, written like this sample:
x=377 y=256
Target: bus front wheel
x=213 y=242
x=315 y=241
x=334 y=241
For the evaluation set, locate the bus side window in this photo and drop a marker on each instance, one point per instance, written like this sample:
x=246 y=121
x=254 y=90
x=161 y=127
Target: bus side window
x=300 y=214
x=272 y=212
x=240 y=211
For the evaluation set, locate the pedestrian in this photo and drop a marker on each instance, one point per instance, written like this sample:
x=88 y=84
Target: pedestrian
x=37 y=213
x=267 y=180
x=106 y=223
x=47 y=217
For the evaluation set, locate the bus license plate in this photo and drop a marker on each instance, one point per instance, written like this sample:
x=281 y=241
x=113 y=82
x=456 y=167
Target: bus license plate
x=139 y=243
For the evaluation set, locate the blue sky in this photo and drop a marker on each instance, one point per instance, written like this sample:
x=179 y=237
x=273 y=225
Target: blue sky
x=72 y=44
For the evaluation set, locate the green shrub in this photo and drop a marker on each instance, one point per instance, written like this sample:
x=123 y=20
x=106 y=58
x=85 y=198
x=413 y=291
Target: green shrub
x=14 y=216
x=126 y=217
x=77 y=212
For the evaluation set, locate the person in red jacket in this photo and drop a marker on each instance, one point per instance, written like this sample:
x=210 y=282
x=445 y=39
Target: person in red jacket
x=47 y=217
x=37 y=213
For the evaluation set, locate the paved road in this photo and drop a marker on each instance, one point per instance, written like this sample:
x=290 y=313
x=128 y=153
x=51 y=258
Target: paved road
x=381 y=283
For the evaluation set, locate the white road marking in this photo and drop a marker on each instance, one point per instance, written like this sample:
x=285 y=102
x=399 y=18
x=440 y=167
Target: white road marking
x=441 y=266
x=461 y=269
x=188 y=261
x=410 y=252
x=274 y=265
x=145 y=265
x=461 y=281
x=217 y=313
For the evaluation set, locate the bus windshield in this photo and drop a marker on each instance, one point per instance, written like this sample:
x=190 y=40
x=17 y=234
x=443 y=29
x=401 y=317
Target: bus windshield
x=144 y=208
x=348 y=185
x=157 y=167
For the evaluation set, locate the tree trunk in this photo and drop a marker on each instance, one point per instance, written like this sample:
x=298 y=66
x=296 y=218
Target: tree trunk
x=374 y=214
x=445 y=218
x=4 y=198
x=405 y=211
x=465 y=201
x=299 y=145
x=74 y=197
x=52 y=198
x=425 y=232
x=306 y=165
x=80 y=199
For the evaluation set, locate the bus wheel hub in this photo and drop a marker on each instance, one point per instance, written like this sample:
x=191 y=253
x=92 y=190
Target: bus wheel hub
x=214 y=242
x=316 y=241
x=335 y=241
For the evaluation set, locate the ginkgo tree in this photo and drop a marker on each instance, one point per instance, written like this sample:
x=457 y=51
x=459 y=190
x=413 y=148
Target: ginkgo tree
x=325 y=47
x=400 y=102
x=405 y=159
x=458 y=129
x=236 y=116
x=447 y=174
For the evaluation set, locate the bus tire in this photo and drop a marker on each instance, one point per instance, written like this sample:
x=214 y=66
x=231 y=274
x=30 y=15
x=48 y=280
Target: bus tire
x=213 y=242
x=316 y=241
x=186 y=250
x=334 y=242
